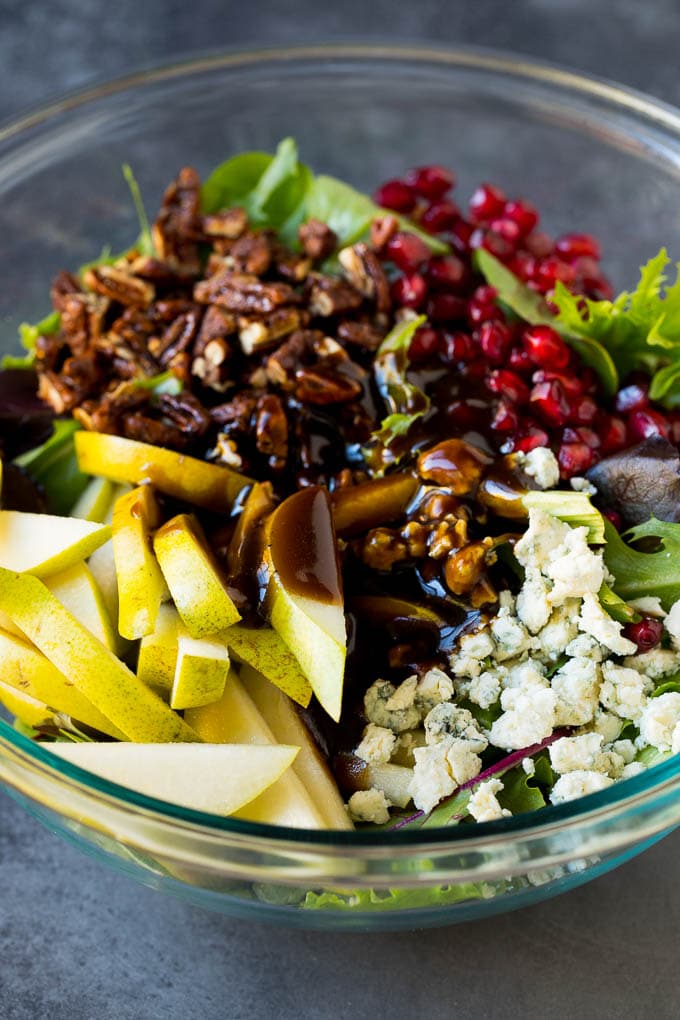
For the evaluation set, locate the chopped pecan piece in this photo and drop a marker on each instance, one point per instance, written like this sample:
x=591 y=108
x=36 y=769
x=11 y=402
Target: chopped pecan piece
x=82 y=319
x=255 y=334
x=80 y=376
x=119 y=285
x=362 y=334
x=317 y=239
x=229 y=224
x=211 y=365
x=271 y=430
x=236 y=414
x=364 y=270
x=217 y=323
x=105 y=415
x=329 y=295
x=183 y=422
x=178 y=224
x=168 y=272
x=282 y=364
x=50 y=352
x=244 y=293
x=324 y=386
x=383 y=228
x=63 y=286
x=253 y=253
x=178 y=336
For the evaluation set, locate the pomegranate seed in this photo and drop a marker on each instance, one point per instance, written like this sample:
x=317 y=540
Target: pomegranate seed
x=447 y=271
x=497 y=245
x=407 y=251
x=643 y=424
x=522 y=265
x=582 y=434
x=395 y=195
x=409 y=291
x=523 y=214
x=461 y=232
x=549 y=402
x=519 y=361
x=495 y=339
x=545 y=347
x=430 y=181
x=586 y=266
x=480 y=311
x=614 y=517
x=571 y=385
x=612 y=433
x=506 y=229
x=574 y=246
x=425 y=344
x=598 y=288
x=446 y=308
x=506 y=418
x=582 y=410
x=486 y=203
x=646 y=634
x=551 y=269
x=508 y=385
x=457 y=347
x=465 y=415
x=531 y=437
x=633 y=397
x=574 y=459
x=538 y=244
x=440 y=216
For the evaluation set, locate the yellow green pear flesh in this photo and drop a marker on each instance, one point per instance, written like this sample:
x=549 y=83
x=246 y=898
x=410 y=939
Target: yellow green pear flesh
x=96 y=672
x=27 y=670
x=187 y=478
x=78 y=592
x=43 y=544
x=193 y=578
x=141 y=585
x=157 y=658
x=25 y=708
x=287 y=727
x=200 y=673
x=235 y=719
x=95 y=501
x=214 y=778
x=264 y=650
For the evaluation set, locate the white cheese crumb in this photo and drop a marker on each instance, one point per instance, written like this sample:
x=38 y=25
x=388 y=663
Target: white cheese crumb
x=447 y=722
x=577 y=687
x=473 y=649
x=533 y=607
x=649 y=605
x=377 y=744
x=529 y=673
x=528 y=718
x=658 y=721
x=608 y=724
x=510 y=636
x=404 y=696
x=485 y=689
x=623 y=691
x=541 y=465
x=584 y=647
x=634 y=769
x=672 y=624
x=658 y=663
x=626 y=749
x=545 y=533
x=369 y=806
x=578 y=784
x=582 y=485
x=594 y=621
x=576 y=571
x=438 y=770
x=434 y=687
x=376 y=700
x=483 y=804
x=529 y=766
x=584 y=753
x=560 y=630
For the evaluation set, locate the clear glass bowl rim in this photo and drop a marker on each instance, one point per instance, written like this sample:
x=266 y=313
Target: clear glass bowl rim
x=622 y=796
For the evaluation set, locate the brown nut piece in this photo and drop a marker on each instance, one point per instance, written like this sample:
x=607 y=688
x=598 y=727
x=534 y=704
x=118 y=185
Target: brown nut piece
x=454 y=463
x=317 y=239
x=463 y=568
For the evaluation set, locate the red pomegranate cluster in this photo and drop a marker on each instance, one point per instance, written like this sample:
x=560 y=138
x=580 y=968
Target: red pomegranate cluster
x=543 y=395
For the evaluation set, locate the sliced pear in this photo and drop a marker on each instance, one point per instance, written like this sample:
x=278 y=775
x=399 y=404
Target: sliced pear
x=27 y=670
x=364 y=506
x=96 y=672
x=262 y=648
x=141 y=585
x=157 y=659
x=235 y=719
x=186 y=478
x=304 y=591
x=95 y=501
x=42 y=544
x=103 y=567
x=25 y=708
x=285 y=723
x=217 y=778
x=259 y=502
x=78 y=591
x=193 y=577
x=9 y=626
x=201 y=671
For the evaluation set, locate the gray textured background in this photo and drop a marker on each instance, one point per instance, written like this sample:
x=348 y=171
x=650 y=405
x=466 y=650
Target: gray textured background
x=78 y=942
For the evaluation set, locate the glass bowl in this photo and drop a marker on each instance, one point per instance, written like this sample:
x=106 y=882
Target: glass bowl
x=593 y=157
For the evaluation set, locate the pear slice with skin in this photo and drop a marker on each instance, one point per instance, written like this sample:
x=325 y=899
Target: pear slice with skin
x=303 y=599
x=264 y=650
x=284 y=721
x=141 y=585
x=42 y=544
x=157 y=659
x=201 y=671
x=96 y=672
x=95 y=501
x=216 y=778
x=25 y=708
x=78 y=591
x=193 y=577
x=235 y=719
x=27 y=670
x=187 y=478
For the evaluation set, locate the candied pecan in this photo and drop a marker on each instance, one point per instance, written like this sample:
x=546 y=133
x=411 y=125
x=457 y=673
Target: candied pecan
x=382 y=548
x=49 y=351
x=255 y=334
x=230 y=223
x=282 y=364
x=211 y=365
x=167 y=309
x=244 y=293
x=178 y=224
x=382 y=229
x=105 y=414
x=463 y=568
x=329 y=295
x=448 y=534
x=271 y=430
x=317 y=239
x=361 y=333
x=55 y=391
x=79 y=377
x=217 y=323
x=364 y=270
x=119 y=285
x=63 y=286
x=318 y=385
x=165 y=271
x=253 y=252
x=182 y=421
x=455 y=463
x=290 y=265
x=235 y=415
x=134 y=328
x=178 y=336
x=226 y=452
x=186 y=412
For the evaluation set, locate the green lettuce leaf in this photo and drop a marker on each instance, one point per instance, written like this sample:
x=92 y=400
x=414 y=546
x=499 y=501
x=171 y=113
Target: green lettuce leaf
x=399 y=899
x=145 y=240
x=54 y=466
x=614 y=605
x=574 y=508
x=645 y=573
x=28 y=335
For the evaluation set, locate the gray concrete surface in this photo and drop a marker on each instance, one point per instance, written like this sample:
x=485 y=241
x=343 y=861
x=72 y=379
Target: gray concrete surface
x=78 y=942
